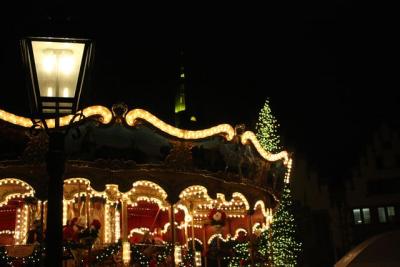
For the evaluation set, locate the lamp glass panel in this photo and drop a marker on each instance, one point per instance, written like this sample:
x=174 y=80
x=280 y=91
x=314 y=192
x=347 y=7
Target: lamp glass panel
x=57 y=67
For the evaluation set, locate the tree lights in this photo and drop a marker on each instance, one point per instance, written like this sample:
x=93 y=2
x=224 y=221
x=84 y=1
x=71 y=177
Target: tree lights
x=267 y=129
x=278 y=242
x=283 y=247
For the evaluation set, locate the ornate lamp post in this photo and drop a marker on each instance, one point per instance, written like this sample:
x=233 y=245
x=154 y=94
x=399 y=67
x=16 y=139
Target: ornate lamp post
x=56 y=69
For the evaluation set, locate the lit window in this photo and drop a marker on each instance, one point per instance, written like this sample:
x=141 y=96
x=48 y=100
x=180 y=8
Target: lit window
x=362 y=216
x=391 y=213
x=366 y=215
x=381 y=214
x=357 y=216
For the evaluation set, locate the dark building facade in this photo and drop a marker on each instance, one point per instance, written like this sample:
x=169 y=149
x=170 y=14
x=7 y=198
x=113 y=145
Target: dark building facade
x=373 y=196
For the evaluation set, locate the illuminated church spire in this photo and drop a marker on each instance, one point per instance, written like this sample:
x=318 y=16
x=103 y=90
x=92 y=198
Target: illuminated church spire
x=180 y=101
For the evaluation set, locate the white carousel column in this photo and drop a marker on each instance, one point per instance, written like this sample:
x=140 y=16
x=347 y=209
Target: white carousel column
x=269 y=218
x=29 y=220
x=25 y=224
x=172 y=225
x=41 y=214
x=21 y=225
x=87 y=208
x=65 y=212
x=17 y=231
x=197 y=259
x=107 y=226
x=124 y=228
x=45 y=221
x=126 y=247
x=117 y=225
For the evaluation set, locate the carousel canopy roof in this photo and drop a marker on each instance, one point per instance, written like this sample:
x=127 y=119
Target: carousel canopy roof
x=125 y=130
x=124 y=146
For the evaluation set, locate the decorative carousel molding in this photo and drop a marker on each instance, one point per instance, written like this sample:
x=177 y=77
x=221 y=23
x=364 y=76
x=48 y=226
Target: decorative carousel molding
x=223 y=129
x=14 y=188
x=104 y=113
x=171 y=181
x=133 y=116
x=249 y=136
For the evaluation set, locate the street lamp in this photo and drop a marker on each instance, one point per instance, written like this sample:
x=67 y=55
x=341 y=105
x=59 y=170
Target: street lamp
x=56 y=68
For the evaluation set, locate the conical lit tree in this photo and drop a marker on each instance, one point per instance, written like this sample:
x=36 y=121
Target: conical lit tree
x=284 y=248
x=267 y=129
x=279 y=242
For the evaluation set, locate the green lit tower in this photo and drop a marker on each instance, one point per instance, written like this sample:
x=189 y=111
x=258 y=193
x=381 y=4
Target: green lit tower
x=180 y=99
x=184 y=115
x=180 y=94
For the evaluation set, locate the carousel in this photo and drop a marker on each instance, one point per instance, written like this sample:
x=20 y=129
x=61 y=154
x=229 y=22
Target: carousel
x=148 y=191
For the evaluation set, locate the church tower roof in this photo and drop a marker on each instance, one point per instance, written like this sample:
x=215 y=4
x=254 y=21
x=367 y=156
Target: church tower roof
x=180 y=98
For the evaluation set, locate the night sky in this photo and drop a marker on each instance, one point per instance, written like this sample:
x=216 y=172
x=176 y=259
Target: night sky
x=325 y=66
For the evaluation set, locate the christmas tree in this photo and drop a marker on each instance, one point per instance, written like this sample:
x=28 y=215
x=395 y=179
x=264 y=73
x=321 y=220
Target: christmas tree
x=283 y=247
x=241 y=255
x=262 y=245
x=267 y=129
x=278 y=242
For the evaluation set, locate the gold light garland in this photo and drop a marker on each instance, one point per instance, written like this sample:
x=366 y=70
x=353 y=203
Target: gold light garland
x=228 y=236
x=196 y=239
x=289 y=171
x=267 y=213
x=135 y=114
x=140 y=230
x=237 y=233
x=242 y=198
x=262 y=206
x=7 y=232
x=250 y=136
x=13 y=181
x=101 y=111
x=235 y=208
x=150 y=184
x=167 y=225
x=15 y=119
